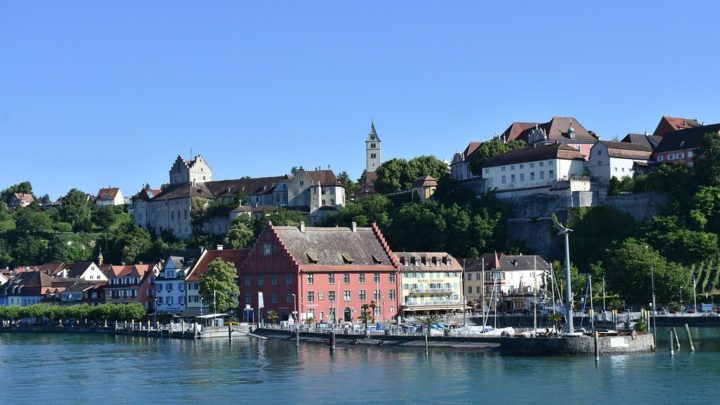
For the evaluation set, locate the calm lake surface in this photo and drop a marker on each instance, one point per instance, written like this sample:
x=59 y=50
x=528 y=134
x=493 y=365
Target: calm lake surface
x=56 y=368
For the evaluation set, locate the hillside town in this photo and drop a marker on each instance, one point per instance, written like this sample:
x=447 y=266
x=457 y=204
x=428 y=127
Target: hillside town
x=309 y=256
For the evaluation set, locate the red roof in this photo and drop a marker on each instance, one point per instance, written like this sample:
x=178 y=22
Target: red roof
x=671 y=124
x=107 y=193
x=234 y=256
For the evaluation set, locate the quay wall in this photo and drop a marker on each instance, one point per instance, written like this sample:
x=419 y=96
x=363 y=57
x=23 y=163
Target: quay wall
x=576 y=345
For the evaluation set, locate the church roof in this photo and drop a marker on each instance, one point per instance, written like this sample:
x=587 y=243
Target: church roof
x=372 y=135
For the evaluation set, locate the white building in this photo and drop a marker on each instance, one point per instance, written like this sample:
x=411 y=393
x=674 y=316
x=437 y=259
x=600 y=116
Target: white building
x=110 y=196
x=170 y=284
x=543 y=169
x=616 y=159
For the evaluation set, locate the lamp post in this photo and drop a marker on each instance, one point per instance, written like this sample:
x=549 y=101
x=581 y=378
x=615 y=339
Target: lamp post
x=297 y=322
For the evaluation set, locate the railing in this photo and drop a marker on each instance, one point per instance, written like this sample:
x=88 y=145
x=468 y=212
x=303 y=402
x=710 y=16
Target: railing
x=430 y=290
x=438 y=303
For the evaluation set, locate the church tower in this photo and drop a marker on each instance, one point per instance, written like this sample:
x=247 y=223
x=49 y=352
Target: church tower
x=372 y=151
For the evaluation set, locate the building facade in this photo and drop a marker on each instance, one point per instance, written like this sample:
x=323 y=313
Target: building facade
x=431 y=283
x=328 y=274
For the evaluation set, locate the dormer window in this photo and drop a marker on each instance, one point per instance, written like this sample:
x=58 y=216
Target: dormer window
x=347 y=259
x=376 y=260
x=313 y=258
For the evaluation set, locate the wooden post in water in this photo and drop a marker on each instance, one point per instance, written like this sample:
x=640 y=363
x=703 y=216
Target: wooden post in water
x=157 y=327
x=230 y=332
x=427 y=351
x=692 y=346
x=333 y=339
x=672 y=348
x=677 y=338
x=148 y=328
x=597 y=348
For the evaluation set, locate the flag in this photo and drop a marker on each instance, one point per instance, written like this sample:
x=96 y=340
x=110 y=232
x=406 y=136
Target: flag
x=261 y=303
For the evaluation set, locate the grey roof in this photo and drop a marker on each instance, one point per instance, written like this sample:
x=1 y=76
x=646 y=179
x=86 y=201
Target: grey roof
x=77 y=269
x=686 y=138
x=184 y=190
x=506 y=262
x=333 y=246
x=641 y=139
x=443 y=261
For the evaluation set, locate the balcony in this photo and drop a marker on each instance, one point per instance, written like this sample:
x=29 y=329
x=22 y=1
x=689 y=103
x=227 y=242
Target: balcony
x=431 y=291
x=438 y=303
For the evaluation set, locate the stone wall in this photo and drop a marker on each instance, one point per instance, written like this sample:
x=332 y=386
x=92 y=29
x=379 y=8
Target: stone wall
x=576 y=345
x=534 y=235
x=639 y=205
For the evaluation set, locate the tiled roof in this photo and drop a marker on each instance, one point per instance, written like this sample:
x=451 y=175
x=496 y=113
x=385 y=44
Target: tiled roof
x=234 y=256
x=24 y=197
x=433 y=261
x=184 y=190
x=532 y=154
x=246 y=186
x=627 y=150
x=107 y=193
x=643 y=139
x=670 y=124
x=76 y=269
x=27 y=283
x=425 y=181
x=334 y=246
x=556 y=130
x=323 y=177
x=470 y=149
x=505 y=262
x=686 y=138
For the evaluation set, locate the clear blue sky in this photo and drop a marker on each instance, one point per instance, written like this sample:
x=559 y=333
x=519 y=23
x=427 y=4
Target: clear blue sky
x=97 y=93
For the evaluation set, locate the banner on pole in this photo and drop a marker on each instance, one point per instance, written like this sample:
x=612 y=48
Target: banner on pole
x=261 y=303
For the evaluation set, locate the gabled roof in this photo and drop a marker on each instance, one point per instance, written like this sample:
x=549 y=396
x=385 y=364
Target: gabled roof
x=184 y=190
x=627 y=150
x=557 y=129
x=107 y=193
x=686 y=138
x=247 y=186
x=470 y=149
x=515 y=131
x=424 y=181
x=532 y=154
x=433 y=261
x=503 y=262
x=234 y=256
x=372 y=134
x=323 y=177
x=333 y=246
x=28 y=283
x=24 y=197
x=671 y=124
x=651 y=141
x=77 y=269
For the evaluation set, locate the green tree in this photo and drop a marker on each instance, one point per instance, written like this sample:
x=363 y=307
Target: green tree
x=350 y=186
x=219 y=285
x=240 y=234
x=394 y=175
x=76 y=210
x=31 y=222
x=708 y=164
x=594 y=231
x=103 y=217
x=629 y=274
x=489 y=149
x=24 y=187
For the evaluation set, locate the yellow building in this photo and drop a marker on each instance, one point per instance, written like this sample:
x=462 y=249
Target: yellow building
x=431 y=283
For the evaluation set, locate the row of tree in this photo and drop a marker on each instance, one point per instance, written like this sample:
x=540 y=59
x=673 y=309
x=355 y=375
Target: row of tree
x=82 y=313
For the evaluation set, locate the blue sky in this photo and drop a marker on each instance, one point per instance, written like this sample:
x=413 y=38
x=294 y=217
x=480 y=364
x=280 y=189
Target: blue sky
x=97 y=94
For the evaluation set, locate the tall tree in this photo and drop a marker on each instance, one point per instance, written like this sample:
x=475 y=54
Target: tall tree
x=24 y=187
x=240 y=234
x=219 y=286
x=76 y=210
x=708 y=164
x=489 y=149
x=350 y=186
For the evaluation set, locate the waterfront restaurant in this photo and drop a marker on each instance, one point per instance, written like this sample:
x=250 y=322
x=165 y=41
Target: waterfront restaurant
x=325 y=274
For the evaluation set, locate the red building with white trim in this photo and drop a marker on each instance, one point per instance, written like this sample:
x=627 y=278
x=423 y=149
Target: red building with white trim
x=332 y=272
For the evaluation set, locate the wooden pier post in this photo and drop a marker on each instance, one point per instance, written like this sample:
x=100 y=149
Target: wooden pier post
x=692 y=346
x=672 y=348
x=677 y=338
x=157 y=328
x=427 y=351
x=597 y=348
x=332 y=340
x=182 y=331
x=230 y=332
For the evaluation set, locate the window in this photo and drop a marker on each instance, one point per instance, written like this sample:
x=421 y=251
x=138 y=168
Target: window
x=503 y=180
x=690 y=154
x=181 y=300
x=160 y=286
x=376 y=294
x=532 y=165
x=542 y=175
x=502 y=169
x=248 y=281
x=169 y=286
x=522 y=176
x=331 y=278
x=289 y=297
x=267 y=249
x=541 y=164
x=361 y=278
x=248 y=298
x=362 y=295
x=160 y=299
x=261 y=281
x=372 y=145
x=551 y=173
x=288 y=279
x=376 y=278
x=310 y=279
x=470 y=289
x=680 y=155
x=346 y=295
x=169 y=300
x=512 y=178
x=274 y=279
x=274 y=297
x=331 y=295
x=391 y=278
x=392 y=293
x=532 y=176
x=512 y=167
x=181 y=287
x=346 y=278
x=487 y=171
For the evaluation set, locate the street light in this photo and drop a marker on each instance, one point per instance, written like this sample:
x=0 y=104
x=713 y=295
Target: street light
x=297 y=322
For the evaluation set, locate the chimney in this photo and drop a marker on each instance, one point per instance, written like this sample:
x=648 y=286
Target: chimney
x=219 y=247
x=354 y=226
x=302 y=226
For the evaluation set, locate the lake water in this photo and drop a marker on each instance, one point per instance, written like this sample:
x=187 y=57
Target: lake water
x=53 y=368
